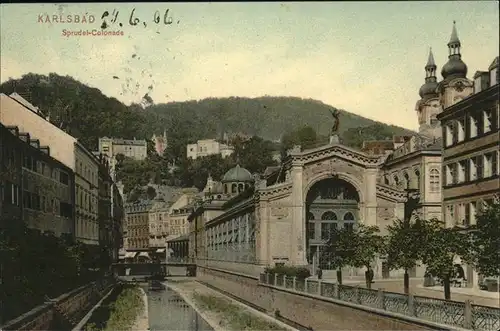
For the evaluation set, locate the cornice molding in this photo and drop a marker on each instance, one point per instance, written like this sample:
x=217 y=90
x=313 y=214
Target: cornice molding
x=317 y=154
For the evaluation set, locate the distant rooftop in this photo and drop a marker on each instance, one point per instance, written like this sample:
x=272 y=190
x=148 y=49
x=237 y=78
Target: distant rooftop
x=121 y=141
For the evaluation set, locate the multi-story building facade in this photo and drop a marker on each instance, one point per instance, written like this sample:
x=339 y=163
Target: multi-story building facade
x=137 y=219
x=207 y=147
x=16 y=111
x=11 y=172
x=105 y=220
x=87 y=196
x=470 y=153
x=136 y=149
x=168 y=215
x=42 y=195
x=160 y=143
x=158 y=222
x=118 y=215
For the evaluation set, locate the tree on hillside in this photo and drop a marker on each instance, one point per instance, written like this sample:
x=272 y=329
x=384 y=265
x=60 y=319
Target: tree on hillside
x=151 y=151
x=254 y=154
x=442 y=246
x=485 y=238
x=305 y=136
x=151 y=192
x=404 y=247
x=355 y=136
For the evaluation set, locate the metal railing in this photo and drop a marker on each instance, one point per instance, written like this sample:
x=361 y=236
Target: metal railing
x=453 y=313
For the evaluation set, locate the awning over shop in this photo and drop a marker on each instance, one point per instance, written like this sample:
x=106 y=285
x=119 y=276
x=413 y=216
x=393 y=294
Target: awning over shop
x=160 y=250
x=130 y=255
x=144 y=254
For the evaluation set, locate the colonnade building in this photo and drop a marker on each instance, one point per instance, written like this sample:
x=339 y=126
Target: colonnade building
x=247 y=223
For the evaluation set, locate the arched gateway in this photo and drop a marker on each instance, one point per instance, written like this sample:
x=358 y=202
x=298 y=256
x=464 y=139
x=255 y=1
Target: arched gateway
x=330 y=203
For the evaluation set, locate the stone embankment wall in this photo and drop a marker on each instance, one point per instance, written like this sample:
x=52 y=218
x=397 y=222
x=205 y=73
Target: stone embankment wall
x=63 y=312
x=299 y=308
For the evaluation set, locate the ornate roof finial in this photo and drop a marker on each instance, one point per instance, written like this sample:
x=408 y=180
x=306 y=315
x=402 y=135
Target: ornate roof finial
x=430 y=60
x=454 y=35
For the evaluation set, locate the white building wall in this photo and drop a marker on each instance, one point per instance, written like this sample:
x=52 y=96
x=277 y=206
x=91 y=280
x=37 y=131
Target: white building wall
x=61 y=144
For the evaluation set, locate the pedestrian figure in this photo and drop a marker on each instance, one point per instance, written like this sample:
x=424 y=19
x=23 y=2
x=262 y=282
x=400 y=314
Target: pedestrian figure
x=320 y=273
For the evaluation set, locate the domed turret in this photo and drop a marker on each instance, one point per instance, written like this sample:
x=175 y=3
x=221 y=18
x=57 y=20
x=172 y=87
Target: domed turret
x=430 y=85
x=237 y=180
x=237 y=174
x=455 y=67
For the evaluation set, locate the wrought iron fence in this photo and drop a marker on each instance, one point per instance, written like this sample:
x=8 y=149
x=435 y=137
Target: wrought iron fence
x=453 y=313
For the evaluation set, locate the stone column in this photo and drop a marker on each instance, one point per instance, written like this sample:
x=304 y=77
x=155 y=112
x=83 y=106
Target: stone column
x=298 y=238
x=261 y=238
x=369 y=216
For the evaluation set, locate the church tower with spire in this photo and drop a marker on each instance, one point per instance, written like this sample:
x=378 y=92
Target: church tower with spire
x=455 y=86
x=428 y=106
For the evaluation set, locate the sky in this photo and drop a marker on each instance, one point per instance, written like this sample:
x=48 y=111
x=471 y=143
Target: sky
x=365 y=57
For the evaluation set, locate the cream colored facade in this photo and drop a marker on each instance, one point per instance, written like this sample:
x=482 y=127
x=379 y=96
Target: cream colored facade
x=15 y=111
x=136 y=149
x=158 y=223
x=208 y=147
x=137 y=225
x=168 y=219
x=87 y=196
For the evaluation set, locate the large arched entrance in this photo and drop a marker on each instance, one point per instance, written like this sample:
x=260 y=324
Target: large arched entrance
x=330 y=203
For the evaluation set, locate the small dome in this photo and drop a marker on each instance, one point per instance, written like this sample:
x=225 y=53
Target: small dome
x=454 y=67
x=237 y=174
x=428 y=89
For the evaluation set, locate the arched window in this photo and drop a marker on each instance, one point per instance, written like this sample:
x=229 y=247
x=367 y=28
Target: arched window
x=349 y=221
x=225 y=189
x=311 y=230
x=396 y=180
x=234 y=188
x=329 y=216
x=407 y=180
x=241 y=187
x=434 y=180
x=348 y=216
x=417 y=177
x=386 y=180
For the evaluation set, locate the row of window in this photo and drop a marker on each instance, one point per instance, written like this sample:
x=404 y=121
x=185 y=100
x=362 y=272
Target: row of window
x=332 y=216
x=31 y=163
x=469 y=127
x=84 y=171
x=138 y=243
x=137 y=219
x=406 y=182
x=86 y=200
x=30 y=200
x=86 y=229
x=464 y=214
x=474 y=168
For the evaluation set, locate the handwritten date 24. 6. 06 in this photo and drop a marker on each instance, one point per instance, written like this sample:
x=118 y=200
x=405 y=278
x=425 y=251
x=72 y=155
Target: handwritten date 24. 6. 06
x=109 y=19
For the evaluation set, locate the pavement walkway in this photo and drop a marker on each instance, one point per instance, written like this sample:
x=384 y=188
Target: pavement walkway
x=478 y=297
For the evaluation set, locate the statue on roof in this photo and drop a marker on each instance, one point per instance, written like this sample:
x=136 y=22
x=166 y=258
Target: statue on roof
x=336 y=121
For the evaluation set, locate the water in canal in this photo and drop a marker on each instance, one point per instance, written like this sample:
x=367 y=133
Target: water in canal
x=168 y=311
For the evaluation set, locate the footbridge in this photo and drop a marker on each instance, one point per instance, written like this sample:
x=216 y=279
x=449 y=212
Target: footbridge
x=169 y=268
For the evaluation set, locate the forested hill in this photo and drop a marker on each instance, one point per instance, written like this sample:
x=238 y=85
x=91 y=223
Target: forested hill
x=88 y=114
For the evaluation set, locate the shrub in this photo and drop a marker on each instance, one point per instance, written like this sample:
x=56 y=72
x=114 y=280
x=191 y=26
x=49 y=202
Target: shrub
x=289 y=271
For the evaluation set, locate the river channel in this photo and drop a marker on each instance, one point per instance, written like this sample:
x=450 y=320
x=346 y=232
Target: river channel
x=168 y=311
